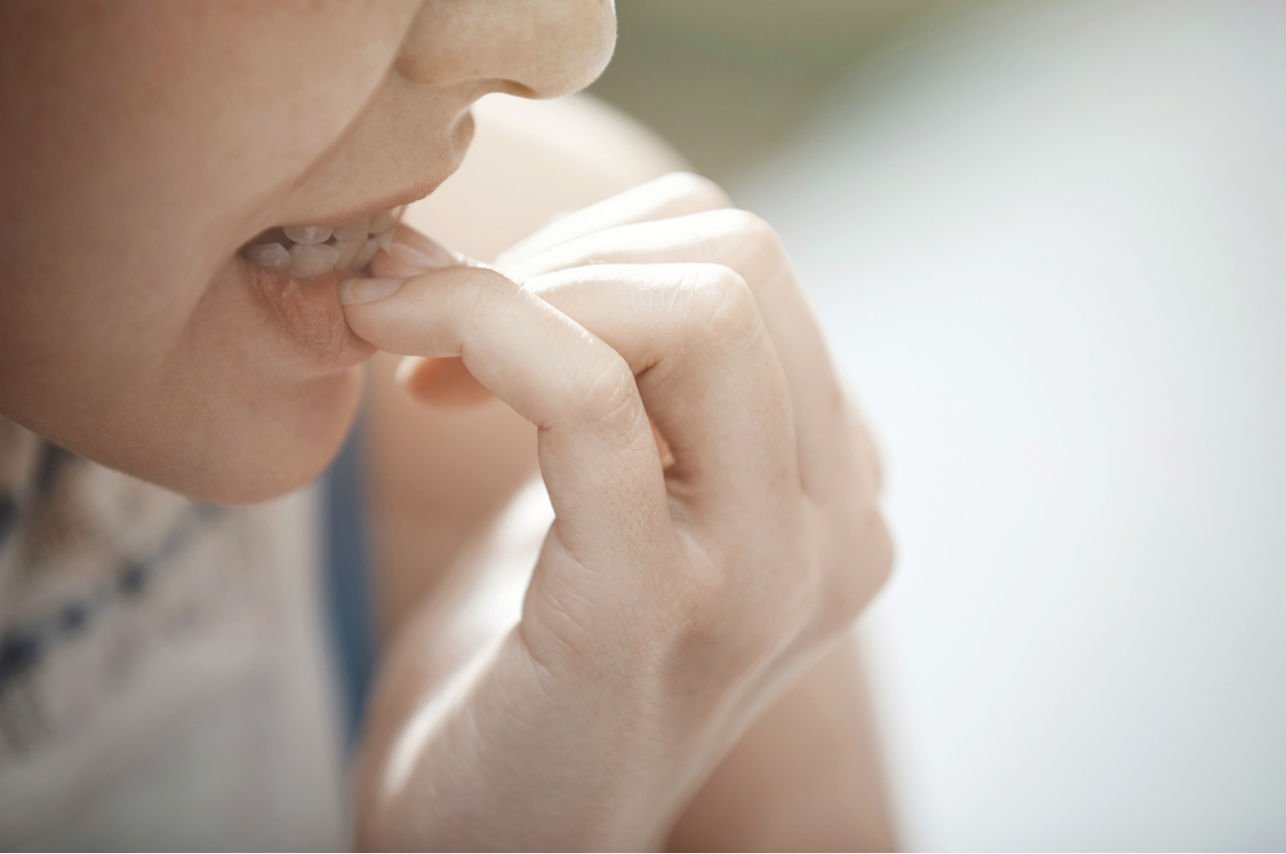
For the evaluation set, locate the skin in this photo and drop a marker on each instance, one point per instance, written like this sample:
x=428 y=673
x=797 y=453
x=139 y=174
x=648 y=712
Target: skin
x=652 y=597
x=155 y=139
x=454 y=563
x=684 y=614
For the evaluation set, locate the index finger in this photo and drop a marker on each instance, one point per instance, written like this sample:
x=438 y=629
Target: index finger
x=675 y=194
x=596 y=450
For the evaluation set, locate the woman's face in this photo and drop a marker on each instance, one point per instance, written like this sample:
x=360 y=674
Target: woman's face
x=147 y=143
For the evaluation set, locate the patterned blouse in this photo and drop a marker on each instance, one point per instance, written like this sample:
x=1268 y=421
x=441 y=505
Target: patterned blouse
x=165 y=677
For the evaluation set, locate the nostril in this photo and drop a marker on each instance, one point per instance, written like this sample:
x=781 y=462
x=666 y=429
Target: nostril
x=420 y=70
x=414 y=68
x=513 y=87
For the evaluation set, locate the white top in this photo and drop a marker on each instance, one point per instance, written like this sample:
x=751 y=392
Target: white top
x=164 y=681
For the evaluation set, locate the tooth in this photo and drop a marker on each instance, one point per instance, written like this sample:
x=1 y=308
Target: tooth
x=308 y=235
x=271 y=255
x=348 y=252
x=309 y=261
x=368 y=252
x=383 y=221
x=354 y=230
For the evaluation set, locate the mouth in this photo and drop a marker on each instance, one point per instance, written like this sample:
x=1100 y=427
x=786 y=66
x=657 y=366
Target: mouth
x=310 y=251
x=294 y=271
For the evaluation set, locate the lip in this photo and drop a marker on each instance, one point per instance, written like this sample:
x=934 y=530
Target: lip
x=461 y=139
x=306 y=314
x=415 y=193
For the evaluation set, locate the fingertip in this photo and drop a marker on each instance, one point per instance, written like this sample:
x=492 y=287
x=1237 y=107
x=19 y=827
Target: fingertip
x=385 y=265
x=412 y=253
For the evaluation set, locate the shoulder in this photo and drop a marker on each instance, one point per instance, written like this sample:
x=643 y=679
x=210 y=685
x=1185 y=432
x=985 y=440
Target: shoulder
x=532 y=160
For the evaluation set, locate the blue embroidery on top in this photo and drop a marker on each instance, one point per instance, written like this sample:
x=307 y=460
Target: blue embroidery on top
x=24 y=647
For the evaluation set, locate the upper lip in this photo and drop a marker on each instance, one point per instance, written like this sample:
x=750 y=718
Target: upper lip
x=414 y=193
x=367 y=209
x=406 y=195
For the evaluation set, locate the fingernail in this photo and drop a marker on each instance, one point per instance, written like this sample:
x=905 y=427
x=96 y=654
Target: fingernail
x=359 y=290
x=425 y=253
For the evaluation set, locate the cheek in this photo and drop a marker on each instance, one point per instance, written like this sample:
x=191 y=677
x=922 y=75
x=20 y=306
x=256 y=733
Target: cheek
x=234 y=416
x=142 y=165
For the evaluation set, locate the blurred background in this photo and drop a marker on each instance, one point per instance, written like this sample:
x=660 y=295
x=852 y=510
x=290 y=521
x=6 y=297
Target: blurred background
x=1048 y=243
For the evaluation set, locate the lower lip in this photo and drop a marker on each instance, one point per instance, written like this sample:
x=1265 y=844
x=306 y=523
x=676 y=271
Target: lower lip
x=308 y=316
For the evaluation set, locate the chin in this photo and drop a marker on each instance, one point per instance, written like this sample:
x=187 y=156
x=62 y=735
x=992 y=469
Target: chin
x=290 y=445
x=257 y=451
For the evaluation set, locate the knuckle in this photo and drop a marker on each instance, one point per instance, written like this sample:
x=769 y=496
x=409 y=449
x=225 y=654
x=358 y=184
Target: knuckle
x=862 y=575
x=697 y=615
x=736 y=609
x=481 y=298
x=721 y=622
x=609 y=397
x=689 y=185
x=701 y=593
x=843 y=603
x=727 y=311
x=883 y=553
x=752 y=226
x=756 y=241
x=716 y=641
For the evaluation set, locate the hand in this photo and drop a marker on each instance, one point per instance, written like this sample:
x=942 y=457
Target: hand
x=669 y=603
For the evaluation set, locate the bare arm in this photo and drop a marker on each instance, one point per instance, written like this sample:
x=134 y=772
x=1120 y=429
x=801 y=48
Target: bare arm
x=806 y=777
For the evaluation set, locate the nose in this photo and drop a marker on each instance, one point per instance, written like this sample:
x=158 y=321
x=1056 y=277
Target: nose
x=530 y=48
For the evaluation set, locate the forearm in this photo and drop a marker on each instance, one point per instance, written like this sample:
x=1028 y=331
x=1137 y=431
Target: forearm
x=807 y=776
x=500 y=759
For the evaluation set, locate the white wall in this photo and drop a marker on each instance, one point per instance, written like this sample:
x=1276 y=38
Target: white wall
x=1049 y=244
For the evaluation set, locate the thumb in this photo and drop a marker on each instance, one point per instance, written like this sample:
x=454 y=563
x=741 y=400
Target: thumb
x=441 y=381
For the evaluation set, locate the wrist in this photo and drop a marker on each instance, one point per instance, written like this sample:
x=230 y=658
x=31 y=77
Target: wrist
x=510 y=755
